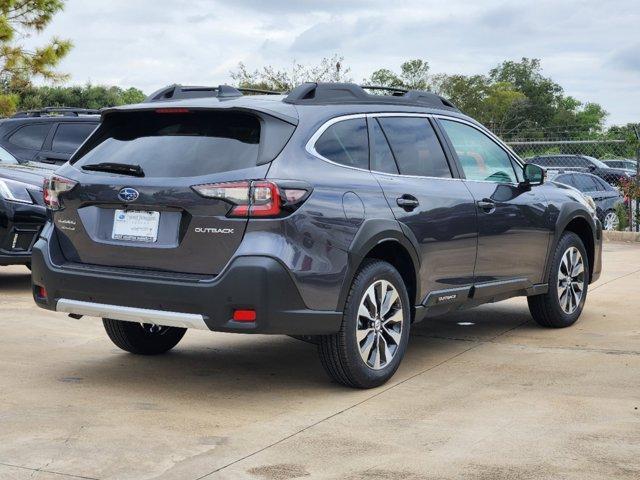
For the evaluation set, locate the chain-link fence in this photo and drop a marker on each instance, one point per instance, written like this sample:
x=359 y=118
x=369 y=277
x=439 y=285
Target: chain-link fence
x=605 y=170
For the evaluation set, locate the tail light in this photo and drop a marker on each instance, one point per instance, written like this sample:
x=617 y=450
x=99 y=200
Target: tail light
x=53 y=187
x=257 y=198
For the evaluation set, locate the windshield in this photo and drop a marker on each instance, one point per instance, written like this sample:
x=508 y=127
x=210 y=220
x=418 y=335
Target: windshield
x=597 y=162
x=186 y=144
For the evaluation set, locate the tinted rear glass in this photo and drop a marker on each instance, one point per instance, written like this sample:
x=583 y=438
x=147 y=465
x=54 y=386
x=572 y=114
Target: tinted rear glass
x=177 y=144
x=346 y=143
x=31 y=136
x=69 y=136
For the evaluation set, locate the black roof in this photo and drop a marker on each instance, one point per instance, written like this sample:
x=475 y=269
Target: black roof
x=56 y=112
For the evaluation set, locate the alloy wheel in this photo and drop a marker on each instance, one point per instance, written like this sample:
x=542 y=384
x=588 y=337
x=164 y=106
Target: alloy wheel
x=611 y=221
x=380 y=323
x=571 y=280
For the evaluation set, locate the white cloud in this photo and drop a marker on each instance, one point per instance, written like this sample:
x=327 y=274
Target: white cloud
x=590 y=47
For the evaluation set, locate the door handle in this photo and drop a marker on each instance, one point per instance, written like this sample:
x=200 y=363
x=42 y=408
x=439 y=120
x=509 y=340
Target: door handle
x=407 y=202
x=45 y=159
x=487 y=206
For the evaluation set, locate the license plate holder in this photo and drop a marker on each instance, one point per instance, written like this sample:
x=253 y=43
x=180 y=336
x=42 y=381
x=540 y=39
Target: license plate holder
x=136 y=226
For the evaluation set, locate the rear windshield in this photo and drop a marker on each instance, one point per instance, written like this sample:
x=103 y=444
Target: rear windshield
x=176 y=144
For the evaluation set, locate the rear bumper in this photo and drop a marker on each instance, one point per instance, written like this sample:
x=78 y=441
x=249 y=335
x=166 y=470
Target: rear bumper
x=250 y=282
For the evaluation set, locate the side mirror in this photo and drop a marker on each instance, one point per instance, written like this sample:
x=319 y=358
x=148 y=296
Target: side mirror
x=592 y=168
x=533 y=174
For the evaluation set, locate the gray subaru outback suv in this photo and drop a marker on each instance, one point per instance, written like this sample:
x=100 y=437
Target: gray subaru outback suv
x=330 y=214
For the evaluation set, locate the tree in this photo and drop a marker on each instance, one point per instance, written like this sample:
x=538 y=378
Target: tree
x=88 y=96
x=18 y=65
x=414 y=75
x=330 y=69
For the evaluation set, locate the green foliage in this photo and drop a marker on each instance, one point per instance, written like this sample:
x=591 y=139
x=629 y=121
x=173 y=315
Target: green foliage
x=87 y=96
x=623 y=217
x=414 y=75
x=20 y=19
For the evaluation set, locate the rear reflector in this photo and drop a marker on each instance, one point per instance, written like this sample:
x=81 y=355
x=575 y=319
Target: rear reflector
x=244 y=315
x=41 y=293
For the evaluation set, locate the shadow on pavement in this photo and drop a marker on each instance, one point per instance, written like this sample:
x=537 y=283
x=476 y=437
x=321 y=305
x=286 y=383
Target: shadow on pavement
x=260 y=365
x=14 y=281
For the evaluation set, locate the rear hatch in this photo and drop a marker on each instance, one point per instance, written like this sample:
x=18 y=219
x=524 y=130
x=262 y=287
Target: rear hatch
x=134 y=205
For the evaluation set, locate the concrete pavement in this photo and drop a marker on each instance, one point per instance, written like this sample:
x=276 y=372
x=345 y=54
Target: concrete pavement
x=482 y=394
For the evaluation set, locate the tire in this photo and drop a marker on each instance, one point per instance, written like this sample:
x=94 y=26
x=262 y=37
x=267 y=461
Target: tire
x=142 y=339
x=559 y=308
x=340 y=353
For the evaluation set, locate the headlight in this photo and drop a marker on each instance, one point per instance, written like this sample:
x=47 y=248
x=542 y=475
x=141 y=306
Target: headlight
x=15 y=191
x=590 y=202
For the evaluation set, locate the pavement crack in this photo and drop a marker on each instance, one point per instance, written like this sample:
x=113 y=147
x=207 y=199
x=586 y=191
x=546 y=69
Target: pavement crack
x=50 y=472
x=614 y=279
x=351 y=407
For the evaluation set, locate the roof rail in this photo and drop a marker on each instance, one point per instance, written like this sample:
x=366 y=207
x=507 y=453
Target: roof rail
x=260 y=91
x=182 y=92
x=332 y=93
x=53 y=111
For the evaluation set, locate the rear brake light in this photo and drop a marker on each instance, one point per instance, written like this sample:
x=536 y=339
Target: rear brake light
x=172 y=110
x=259 y=198
x=53 y=187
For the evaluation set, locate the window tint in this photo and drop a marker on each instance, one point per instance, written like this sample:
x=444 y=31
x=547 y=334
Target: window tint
x=69 y=136
x=381 y=157
x=346 y=143
x=31 y=136
x=6 y=157
x=415 y=147
x=585 y=183
x=603 y=185
x=565 y=179
x=481 y=158
x=177 y=145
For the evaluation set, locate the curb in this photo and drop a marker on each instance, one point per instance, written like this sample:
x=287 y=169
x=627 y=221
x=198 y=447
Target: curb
x=621 y=236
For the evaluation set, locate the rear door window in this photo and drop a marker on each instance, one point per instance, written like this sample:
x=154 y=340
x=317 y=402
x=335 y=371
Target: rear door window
x=585 y=183
x=69 y=136
x=31 y=136
x=346 y=142
x=176 y=144
x=382 y=159
x=415 y=146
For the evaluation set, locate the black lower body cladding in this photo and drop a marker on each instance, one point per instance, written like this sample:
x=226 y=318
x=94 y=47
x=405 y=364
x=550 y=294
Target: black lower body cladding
x=251 y=282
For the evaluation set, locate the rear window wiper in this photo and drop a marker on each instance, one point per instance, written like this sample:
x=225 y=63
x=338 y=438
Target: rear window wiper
x=120 y=168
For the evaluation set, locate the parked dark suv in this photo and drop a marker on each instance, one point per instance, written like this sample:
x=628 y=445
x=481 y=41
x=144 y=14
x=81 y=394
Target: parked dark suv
x=583 y=163
x=48 y=135
x=329 y=213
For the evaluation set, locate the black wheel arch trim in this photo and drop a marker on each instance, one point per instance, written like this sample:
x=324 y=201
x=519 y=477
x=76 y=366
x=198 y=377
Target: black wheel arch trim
x=569 y=213
x=373 y=232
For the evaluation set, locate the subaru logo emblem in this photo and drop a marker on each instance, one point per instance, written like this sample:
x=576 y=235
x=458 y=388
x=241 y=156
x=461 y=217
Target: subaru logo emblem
x=128 y=195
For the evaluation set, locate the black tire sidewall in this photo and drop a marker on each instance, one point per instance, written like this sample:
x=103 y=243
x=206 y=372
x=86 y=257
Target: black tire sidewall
x=567 y=241
x=363 y=374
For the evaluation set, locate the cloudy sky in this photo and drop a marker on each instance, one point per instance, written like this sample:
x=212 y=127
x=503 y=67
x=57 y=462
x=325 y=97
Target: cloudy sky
x=591 y=47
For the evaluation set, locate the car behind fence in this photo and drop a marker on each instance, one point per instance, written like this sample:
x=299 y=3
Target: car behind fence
x=613 y=160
